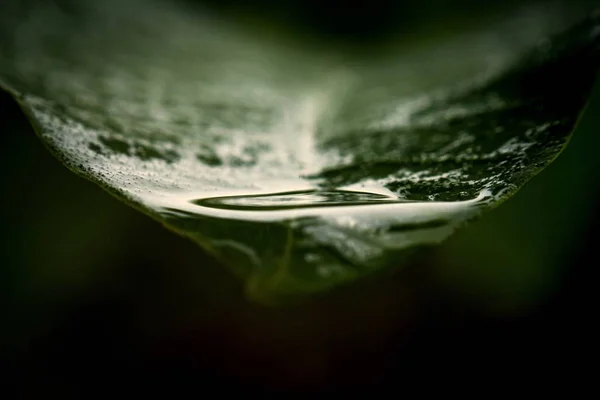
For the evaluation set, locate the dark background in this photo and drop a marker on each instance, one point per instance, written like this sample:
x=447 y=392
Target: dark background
x=95 y=294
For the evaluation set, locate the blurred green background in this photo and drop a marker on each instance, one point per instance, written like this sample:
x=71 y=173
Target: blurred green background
x=88 y=282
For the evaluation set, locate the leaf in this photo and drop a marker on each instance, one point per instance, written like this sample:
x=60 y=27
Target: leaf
x=300 y=167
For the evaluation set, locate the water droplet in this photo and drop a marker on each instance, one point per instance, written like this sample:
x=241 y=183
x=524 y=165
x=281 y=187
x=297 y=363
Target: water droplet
x=275 y=238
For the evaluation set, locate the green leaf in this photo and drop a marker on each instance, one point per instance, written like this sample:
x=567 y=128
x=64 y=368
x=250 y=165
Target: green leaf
x=301 y=167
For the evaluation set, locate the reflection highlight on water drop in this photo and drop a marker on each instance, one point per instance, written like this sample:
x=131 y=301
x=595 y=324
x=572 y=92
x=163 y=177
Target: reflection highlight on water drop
x=296 y=199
